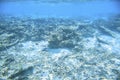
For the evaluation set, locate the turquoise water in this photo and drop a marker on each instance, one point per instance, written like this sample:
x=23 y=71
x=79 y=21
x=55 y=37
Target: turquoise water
x=75 y=9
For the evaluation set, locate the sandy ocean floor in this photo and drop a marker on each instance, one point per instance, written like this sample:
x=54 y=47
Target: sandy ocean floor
x=59 y=49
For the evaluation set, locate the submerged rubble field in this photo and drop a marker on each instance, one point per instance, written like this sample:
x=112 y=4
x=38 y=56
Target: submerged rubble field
x=59 y=49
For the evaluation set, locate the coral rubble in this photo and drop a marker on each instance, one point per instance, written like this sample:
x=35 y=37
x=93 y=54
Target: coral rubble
x=59 y=49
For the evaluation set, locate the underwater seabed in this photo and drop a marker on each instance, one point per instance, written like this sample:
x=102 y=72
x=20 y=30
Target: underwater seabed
x=59 y=49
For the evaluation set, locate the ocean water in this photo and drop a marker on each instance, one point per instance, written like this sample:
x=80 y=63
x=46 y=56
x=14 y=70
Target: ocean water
x=62 y=9
x=60 y=40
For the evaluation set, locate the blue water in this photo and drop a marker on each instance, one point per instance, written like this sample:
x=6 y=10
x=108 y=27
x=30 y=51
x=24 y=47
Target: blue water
x=38 y=9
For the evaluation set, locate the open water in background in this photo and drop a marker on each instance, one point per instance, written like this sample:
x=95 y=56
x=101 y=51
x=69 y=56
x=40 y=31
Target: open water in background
x=64 y=10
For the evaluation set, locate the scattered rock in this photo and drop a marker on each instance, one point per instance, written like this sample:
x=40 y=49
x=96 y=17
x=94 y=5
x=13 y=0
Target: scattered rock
x=64 y=38
x=22 y=72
